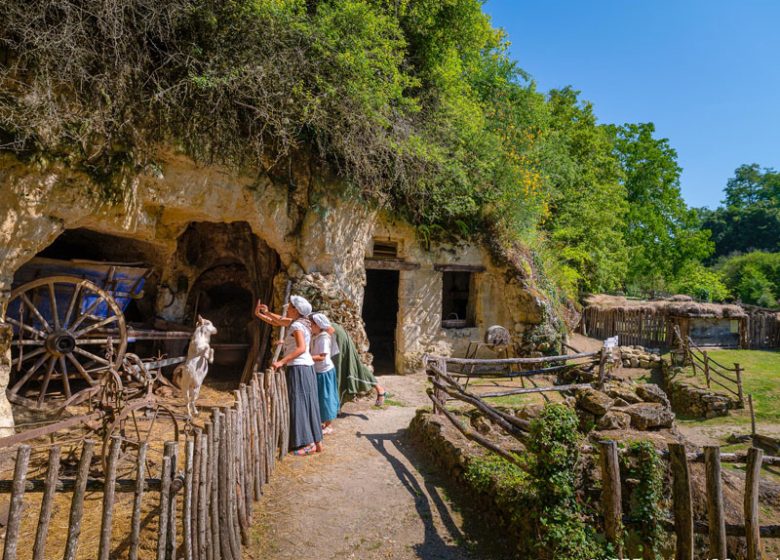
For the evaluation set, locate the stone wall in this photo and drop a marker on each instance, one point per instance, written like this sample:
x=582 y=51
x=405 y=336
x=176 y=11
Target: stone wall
x=691 y=401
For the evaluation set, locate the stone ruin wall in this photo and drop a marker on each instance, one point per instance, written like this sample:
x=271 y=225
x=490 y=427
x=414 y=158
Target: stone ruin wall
x=327 y=235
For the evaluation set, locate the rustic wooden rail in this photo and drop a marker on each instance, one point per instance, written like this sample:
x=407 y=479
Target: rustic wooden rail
x=715 y=372
x=205 y=502
x=681 y=521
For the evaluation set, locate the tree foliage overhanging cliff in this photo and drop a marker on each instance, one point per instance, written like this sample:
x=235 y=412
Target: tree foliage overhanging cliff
x=416 y=103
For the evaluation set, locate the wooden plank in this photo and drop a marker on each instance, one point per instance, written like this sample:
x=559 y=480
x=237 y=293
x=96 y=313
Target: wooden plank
x=453 y=267
x=611 y=496
x=165 y=493
x=715 y=515
x=47 y=503
x=752 y=527
x=17 y=503
x=682 y=503
x=77 y=502
x=505 y=361
x=389 y=264
x=104 y=547
x=135 y=523
x=560 y=388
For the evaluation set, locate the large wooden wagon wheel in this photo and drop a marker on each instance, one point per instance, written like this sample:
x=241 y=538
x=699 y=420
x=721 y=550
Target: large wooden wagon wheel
x=62 y=328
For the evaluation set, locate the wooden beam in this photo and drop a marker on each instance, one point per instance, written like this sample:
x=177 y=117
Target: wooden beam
x=459 y=268
x=389 y=264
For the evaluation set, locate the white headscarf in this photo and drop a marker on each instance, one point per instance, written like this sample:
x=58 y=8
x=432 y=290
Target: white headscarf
x=301 y=304
x=321 y=320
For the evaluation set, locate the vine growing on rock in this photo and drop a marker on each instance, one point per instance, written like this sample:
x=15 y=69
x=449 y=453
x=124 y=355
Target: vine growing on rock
x=559 y=520
x=642 y=463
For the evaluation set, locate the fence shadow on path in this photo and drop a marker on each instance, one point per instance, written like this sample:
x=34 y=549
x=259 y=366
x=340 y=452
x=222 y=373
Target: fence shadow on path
x=429 y=502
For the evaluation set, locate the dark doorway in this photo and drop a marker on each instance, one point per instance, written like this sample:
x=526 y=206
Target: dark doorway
x=380 y=313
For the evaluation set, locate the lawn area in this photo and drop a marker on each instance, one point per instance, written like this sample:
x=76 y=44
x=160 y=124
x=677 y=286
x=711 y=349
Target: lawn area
x=760 y=377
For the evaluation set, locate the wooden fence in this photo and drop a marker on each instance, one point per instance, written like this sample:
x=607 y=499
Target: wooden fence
x=634 y=326
x=729 y=379
x=763 y=330
x=681 y=519
x=205 y=493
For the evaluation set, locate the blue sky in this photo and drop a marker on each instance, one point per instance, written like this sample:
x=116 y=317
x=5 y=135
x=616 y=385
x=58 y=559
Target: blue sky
x=707 y=73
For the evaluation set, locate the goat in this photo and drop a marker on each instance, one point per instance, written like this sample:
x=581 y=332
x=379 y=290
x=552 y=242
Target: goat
x=189 y=376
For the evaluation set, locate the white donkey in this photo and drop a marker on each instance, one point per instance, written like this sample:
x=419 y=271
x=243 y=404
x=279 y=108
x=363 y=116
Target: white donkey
x=189 y=376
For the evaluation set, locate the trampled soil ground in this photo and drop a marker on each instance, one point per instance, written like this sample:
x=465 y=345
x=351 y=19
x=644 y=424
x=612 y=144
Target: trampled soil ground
x=369 y=495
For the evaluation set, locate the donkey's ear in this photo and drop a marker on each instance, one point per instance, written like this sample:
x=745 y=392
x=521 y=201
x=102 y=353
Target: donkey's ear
x=200 y=320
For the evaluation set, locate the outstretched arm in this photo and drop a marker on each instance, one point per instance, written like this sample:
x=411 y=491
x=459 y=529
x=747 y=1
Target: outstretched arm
x=264 y=314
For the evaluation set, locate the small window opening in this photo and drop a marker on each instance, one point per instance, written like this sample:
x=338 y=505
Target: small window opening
x=457 y=300
x=385 y=249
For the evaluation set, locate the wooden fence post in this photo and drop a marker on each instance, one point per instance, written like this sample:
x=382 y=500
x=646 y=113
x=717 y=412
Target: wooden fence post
x=47 y=502
x=171 y=450
x=109 y=491
x=196 y=497
x=602 y=367
x=135 y=523
x=752 y=527
x=77 y=503
x=738 y=371
x=715 y=517
x=186 y=522
x=17 y=502
x=752 y=416
x=611 y=495
x=706 y=367
x=440 y=395
x=165 y=494
x=682 y=502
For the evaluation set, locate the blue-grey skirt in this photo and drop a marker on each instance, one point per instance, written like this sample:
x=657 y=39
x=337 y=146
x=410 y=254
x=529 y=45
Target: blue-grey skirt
x=328 y=390
x=305 y=423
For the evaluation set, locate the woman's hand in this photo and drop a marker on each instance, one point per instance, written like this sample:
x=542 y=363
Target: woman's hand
x=278 y=364
x=261 y=308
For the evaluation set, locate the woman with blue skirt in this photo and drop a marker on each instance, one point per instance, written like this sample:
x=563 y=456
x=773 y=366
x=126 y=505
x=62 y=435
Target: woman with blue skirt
x=327 y=384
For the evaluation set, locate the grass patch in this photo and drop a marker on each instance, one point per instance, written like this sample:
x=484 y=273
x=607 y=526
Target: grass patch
x=760 y=377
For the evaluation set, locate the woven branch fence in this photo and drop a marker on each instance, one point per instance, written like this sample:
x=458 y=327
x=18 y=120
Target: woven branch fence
x=200 y=508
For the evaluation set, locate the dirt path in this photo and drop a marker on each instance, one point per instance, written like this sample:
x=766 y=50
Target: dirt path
x=368 y=496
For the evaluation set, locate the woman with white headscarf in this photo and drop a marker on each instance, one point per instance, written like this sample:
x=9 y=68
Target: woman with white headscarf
x=305 y=424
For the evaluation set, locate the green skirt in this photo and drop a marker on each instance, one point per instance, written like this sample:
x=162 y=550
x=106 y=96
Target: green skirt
x=353 y=377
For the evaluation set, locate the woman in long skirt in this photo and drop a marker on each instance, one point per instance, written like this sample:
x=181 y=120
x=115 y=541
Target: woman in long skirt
x=321 y=348
x=305 y=424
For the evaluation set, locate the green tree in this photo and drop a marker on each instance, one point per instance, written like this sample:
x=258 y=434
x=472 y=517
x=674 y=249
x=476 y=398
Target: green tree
x=753 y=277
x=662 y=234
x=586 y=201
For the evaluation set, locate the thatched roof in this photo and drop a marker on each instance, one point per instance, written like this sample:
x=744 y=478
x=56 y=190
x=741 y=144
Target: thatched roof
x=675 y=306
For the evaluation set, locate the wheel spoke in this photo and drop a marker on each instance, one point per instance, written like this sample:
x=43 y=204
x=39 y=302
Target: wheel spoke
x=18 y=343
x=80 y=319
x=18 y=361
x=95 y=326
x=72 y=305
x=81 y=369
x=65 y=380
x=46 y=379
x=91 y=356
x=28 y=374
x=53 y=306
x=26 y=327
x=35 y=311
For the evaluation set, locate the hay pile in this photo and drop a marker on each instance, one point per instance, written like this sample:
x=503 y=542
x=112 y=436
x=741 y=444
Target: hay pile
x=674 y=306
x=325 y=296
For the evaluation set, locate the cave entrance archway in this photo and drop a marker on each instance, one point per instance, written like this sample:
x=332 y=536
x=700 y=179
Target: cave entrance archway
x=380 y=314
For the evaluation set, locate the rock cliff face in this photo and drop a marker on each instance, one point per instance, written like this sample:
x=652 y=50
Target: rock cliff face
x=198 y=224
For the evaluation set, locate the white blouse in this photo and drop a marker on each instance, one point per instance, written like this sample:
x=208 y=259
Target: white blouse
x=322 y=345
x=290 y=345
